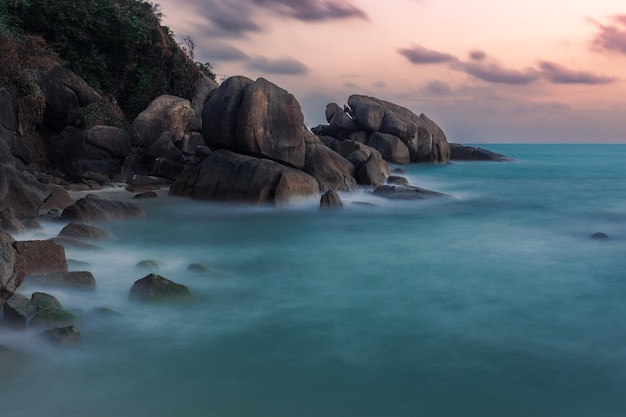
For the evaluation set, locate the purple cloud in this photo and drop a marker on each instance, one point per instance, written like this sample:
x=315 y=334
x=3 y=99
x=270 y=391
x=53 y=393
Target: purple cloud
x=420 y=55
x=437 y=88
x=495 y=73
x=559 y=74
x=237 y=18
x=285 y=66
x=612 y=37
x=477 y=55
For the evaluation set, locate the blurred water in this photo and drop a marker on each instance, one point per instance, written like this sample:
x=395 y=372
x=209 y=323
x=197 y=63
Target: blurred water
x=494 y=303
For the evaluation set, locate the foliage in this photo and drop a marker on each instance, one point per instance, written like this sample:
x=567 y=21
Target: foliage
x=118 y=46
x=18 y=59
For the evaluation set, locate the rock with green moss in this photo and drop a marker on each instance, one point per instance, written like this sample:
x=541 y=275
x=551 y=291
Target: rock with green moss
x=49 y=313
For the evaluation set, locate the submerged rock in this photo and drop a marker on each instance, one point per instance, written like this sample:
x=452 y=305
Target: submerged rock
x=330 y=200
x=155 y=287
x=403 y=192
x=83 y=231
x=460 y=152
x=90 y=209
x=19 y=311
x=74 y=279
x=63 y=335
x=600 y=235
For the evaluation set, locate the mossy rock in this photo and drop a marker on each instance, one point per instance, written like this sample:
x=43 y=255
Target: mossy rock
x=49 y=313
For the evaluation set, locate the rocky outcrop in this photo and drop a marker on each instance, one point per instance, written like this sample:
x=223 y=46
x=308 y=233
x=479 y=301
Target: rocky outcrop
x=93 y=209
x=460 y=152
x=64 y=92
x=331 y=170
x=21 y=191
x=95 y=154
x=227 y=176
x=165 y=114
x=399 y=134
x=154 y=287
x=255 y=118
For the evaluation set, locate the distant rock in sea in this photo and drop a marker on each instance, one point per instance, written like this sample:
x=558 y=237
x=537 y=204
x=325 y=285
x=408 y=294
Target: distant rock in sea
x=460 y=152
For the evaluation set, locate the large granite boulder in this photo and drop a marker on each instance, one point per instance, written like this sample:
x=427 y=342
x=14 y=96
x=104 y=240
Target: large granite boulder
x=200 y=89
x=154 y=287
x=21 y=191
x=11 y=142
x=331 y=170
x=95 y=209
x=228 y=176
x=255 y=118
x=460 y=152
x=390 y=147
x=64 y=92
x=41 y=256
x=164 y=114
x=330 y=200
x=96 y=153
x=11 y=270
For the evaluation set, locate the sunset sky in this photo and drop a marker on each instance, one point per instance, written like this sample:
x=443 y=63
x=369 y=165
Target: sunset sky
x=484 y=70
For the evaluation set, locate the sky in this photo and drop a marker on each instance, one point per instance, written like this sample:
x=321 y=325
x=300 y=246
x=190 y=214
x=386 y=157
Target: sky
x=486 y=71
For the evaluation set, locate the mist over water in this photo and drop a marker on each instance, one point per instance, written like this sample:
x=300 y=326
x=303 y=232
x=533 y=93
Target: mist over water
x=496 y=302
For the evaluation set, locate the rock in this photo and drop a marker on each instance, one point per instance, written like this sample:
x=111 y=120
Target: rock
x=164 y=147
x=5 y=237
x=227 y=176
x=166 y=168
x=11 y=270
x=155 y=287
x=221 y=111
x=367 y=112
x=96 y=153
x=190 y=143
x=41 y=256
x=49 y=312
x=19 y=311
x=74 y=279
x=331 y=109
x=396 y=180
x=390 y=147
x=255 y=118
x=270 y=124
x=331 y=170
x=398 y=171
x=373 y=171
x=164 y=114
x=83 y=231
x=200 y=89
x=399 y=192
x=89 y=209
x=59 y=198
x=21 y=191
x=32 y=224
x=140 y=183
x=342 y=122
x=460 y=152
x=330 y=200
x=63 y=335
x=9 y=222
x=148 y=263
x=145 y=195
x=600 y=235
x=64 y=92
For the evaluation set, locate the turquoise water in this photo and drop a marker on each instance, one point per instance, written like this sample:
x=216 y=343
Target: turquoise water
x=493 y=303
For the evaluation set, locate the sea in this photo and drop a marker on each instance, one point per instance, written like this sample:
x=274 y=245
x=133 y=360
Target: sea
x=495 y=301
